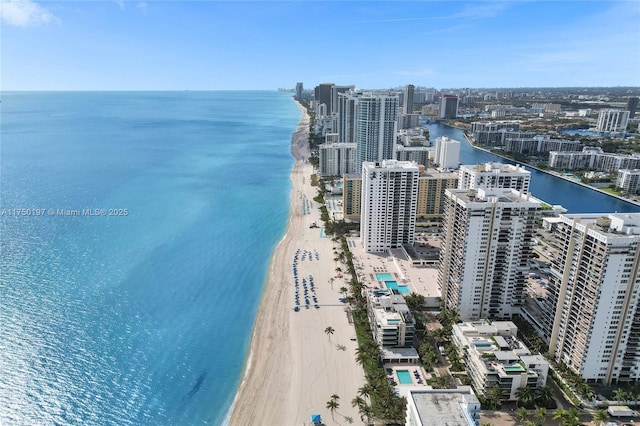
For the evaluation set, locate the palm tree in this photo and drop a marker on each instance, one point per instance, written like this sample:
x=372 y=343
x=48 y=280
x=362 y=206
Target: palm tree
x=573 y=418
x=544 y=397
x=359 y=402
x=523 y=413
x=331 y=282
x=494 y=395
x=344 y=290
x=329 y=331
x=620 y=395
x=526 y=397
x=332 y=405
x=600 y=417
x=541 y=415
x=366 y=390
x=560 y=415
x=361 y=356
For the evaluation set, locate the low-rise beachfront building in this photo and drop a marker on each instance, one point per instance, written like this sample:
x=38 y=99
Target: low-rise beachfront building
x=442 y=407
x=392 y=324
x=494 y=356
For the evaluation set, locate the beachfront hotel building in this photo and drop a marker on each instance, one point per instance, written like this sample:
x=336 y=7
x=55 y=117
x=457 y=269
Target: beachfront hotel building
x=391 y=321
x=337 y=159
x=389 y=202
x=486 y=248
x=612 y=120
x=493 y=355
x=446 y=155
x=442 y=407
x=593 y=306
x=448 y=107
x=494 y=175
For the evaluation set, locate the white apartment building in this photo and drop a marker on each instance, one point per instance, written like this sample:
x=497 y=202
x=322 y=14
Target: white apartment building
x=494 y=356
x=628 y=180
x=389 y=202
x=494 y=175
x=447 y=153
x=612 y=120
x=486 y=248
x=337 y=159
x=593 y=296
x=592 y=158
x=539 y=144
x=391 y=321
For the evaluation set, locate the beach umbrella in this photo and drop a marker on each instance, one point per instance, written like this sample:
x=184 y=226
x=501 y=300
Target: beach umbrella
x=316 y=419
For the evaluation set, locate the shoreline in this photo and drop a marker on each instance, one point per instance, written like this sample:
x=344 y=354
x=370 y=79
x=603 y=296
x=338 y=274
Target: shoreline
x=246 y=368
x=292 y=366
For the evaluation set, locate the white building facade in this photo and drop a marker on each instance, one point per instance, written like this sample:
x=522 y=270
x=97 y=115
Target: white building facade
x=447 y=154
x=389 y=203
x=493 y=355
x=593 y=297
x=494 y=175
x=486 y=248
x=612 y=120
x=337 y=159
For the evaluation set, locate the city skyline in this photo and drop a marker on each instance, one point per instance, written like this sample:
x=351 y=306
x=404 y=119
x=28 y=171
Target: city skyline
x=206 y=45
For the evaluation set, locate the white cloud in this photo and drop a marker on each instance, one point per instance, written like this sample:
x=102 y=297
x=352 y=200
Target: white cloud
x=142 y=6
x=25 y=13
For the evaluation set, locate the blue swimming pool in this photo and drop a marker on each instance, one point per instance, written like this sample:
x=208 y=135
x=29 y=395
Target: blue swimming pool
x=404 y=377
x=393 y=285
x=384 y=277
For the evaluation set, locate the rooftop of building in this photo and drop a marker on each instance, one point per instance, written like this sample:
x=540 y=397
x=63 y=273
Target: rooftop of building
x=442 y=407
x=608 y=225
x=493 y=195
x=495 y=168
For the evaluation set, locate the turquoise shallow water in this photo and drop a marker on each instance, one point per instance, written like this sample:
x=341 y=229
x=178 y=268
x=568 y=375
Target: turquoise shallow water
x=142 y=315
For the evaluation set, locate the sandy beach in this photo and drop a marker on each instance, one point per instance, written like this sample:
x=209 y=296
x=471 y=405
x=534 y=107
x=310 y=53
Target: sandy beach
x=294 y=367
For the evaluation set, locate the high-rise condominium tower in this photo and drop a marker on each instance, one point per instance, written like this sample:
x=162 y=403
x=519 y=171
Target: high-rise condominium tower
x=593 y=297
x=486 y=250
x=408 y=99
x=389 y=203
x=376 y=127
x=449 y=107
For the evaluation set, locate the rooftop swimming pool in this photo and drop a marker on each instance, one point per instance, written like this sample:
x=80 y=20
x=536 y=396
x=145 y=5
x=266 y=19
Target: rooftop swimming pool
x=393 y=285
x=384 y=277
x=404 y=377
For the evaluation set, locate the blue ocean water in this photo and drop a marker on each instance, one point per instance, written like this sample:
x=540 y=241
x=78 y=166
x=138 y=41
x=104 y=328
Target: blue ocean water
x=142 y=315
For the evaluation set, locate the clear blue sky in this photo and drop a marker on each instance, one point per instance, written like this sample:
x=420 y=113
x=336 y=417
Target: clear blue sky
x=176 y=45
